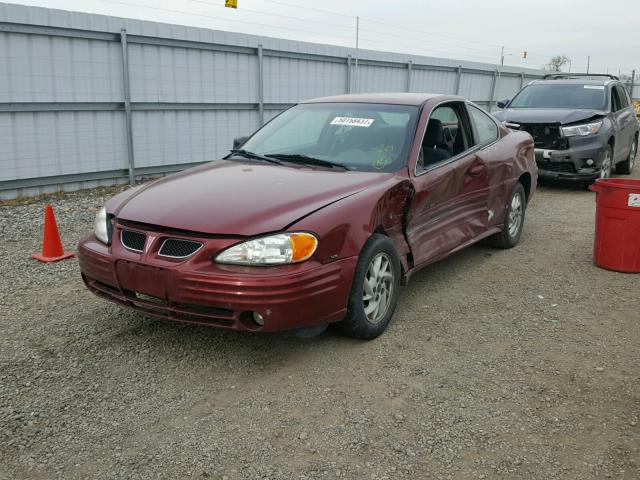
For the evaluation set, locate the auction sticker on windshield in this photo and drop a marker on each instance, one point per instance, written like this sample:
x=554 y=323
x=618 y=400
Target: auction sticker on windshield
x=352 y=122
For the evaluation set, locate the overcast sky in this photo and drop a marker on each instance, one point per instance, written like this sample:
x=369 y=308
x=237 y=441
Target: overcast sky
x=463 y=29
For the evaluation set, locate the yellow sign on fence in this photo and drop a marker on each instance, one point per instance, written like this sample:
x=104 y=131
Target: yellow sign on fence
x=231 y=3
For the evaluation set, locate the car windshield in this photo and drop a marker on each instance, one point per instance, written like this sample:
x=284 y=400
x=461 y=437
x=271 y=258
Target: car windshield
x=555 y=95
x=359 y=136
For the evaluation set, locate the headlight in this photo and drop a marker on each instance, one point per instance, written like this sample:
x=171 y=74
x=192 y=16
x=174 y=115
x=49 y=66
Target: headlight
x=582 y=130
x=101 y=226
x=272 y=250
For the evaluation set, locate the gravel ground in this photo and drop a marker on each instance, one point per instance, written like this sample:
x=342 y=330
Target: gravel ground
x=498 y=364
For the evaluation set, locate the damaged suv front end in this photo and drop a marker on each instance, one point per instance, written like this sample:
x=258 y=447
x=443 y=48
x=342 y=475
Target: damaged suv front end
x=571 y=124
x=575 y=151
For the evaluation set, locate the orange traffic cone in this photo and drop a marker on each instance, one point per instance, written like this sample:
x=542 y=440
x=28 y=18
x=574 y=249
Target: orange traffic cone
x=51 y=245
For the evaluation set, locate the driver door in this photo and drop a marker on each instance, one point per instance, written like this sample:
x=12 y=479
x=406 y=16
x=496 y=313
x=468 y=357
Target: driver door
x=451 y=183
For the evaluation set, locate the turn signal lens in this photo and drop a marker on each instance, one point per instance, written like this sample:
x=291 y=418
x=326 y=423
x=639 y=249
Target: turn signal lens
x=303 y=245
x=279 y=249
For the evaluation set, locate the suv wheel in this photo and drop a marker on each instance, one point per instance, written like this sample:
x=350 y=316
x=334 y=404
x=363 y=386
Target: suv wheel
x=627 y=166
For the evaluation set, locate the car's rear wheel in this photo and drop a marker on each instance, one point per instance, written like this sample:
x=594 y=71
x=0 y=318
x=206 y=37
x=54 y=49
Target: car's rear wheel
x=374 y=293
x=514 y=220
x=626 y=167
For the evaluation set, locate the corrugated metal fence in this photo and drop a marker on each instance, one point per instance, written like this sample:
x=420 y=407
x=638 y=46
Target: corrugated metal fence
x=88 y=99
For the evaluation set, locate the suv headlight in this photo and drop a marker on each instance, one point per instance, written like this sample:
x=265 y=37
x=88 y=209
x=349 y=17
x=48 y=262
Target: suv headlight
x=283 y=248
x=582 y=130
x=102 y=226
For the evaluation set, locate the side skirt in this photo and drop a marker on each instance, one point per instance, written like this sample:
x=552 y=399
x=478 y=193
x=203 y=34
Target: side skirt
x=488 y=233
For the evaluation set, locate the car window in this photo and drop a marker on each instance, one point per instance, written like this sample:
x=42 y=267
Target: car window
x=622 y=96
x=485 y=129
x=445 y=114
x=361 y=136
x=445 y=137
x=305 y=131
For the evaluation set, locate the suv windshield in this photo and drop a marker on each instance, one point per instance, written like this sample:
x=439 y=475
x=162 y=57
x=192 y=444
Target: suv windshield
x=361 y=136
x=557 y=95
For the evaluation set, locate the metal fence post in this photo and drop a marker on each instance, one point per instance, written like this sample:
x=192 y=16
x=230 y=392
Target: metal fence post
x=493 y=89
x=633 y=83
x=349 y=73
x=409 y=67
x=260 y=85
x=522 y=80
x=127 y=106
x=458 y=79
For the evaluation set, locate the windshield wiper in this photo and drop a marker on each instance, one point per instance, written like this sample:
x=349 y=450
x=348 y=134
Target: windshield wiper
x=302 y=158
x=246 y=154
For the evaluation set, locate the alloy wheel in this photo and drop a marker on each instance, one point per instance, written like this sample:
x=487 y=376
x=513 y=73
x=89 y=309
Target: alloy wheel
x=515 y=214
x=632 y=155
x=378 y=288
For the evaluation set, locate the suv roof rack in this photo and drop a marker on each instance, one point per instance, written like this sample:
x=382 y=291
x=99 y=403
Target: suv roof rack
x=558 y=76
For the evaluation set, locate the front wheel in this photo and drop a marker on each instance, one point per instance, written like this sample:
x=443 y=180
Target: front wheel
x=626 y=167
x=514 y=220
x=374 y=293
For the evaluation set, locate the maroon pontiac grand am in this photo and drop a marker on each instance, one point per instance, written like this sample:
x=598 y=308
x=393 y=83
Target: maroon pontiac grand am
x=317 y=218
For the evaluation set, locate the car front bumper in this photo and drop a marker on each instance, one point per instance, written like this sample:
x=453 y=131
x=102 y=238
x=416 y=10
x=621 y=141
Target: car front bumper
x=198 y=291
x=571 y=164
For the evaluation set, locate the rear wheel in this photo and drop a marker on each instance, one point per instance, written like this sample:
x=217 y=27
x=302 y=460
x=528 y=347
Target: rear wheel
x=374 y=293
x=626 y=167
x=514 y=220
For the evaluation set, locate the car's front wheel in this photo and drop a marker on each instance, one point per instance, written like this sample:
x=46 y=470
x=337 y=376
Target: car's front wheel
x=374 y=293
x=514 y=220
x=627 y=166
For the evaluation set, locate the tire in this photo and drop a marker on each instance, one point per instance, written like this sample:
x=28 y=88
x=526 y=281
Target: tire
x=363 y=320
x=514 y=220
x=626 y=166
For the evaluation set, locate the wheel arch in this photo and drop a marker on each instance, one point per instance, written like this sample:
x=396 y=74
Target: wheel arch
x=345 y=226
x=525 y=180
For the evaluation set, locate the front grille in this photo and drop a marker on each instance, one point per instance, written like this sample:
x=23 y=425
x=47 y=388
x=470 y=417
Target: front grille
x=561 y=167
x=133 y=240
x=178 y=248
x=546 y=135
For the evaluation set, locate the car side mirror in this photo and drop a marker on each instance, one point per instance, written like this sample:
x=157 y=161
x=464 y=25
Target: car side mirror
x=239 y=141
x=502 y=103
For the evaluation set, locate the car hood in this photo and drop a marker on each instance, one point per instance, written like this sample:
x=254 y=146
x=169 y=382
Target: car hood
x=236 y=198
x=546 y=115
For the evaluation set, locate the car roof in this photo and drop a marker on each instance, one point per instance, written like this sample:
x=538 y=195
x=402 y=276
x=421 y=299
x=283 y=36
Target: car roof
x=416 y=99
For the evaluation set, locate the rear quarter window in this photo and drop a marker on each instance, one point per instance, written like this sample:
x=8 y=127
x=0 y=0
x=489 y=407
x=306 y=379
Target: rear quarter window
x=484 y=128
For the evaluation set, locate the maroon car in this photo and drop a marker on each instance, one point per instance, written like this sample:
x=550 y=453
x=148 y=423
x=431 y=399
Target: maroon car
x=317 y=218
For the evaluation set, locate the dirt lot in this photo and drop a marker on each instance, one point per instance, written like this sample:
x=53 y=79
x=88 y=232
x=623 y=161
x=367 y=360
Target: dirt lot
x=498 y=364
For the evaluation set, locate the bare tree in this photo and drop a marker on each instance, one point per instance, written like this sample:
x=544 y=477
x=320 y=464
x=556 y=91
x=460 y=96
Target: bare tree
x=557 y=62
